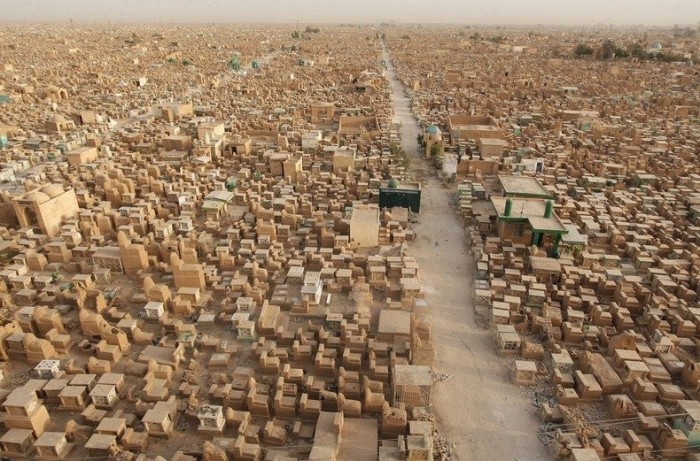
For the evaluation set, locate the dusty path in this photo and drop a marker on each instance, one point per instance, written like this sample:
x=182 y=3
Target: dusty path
x=479 y=410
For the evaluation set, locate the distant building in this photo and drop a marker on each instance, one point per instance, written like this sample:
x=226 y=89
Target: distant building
x=473 y=127
x=522 y=187
x=46 y=208
x=404 y=195
x=529 y=221
x=433 y=137
x=364 y=226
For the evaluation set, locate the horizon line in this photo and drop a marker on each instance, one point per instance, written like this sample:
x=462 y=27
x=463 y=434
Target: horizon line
x=295 y=23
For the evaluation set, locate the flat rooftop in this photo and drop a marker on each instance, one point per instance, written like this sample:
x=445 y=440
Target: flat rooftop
x=365 y=215
x=401 y=186
x=467 y=122
x=522 y=186
x=359 y=439
x=493 y=142
x=472 y=127
x=413 y=375
x=532 y=210
x=394 y=322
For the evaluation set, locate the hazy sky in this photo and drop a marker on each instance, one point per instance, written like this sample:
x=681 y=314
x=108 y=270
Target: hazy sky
x=652 y=12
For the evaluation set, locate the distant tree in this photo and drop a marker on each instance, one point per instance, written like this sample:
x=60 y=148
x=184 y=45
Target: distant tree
x=663 y=57
x=296 y=34
x=497 y=39
x=686 y=32
x=312 y=30
x=394 y=148
x=636 y=50
x=607 y=50
x=621 y=53
x=583 y=50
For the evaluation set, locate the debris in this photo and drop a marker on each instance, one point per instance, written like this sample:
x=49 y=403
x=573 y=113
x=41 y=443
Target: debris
x=439 y=377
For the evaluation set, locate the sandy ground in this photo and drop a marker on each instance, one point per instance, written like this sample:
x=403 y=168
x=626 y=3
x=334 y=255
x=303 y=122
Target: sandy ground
x=479 y=409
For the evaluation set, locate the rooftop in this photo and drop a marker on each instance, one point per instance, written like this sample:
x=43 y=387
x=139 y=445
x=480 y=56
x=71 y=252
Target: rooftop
x=523 y=186
x=413 y=375
x=531 y=210
x=365 y=215
x=394 y=321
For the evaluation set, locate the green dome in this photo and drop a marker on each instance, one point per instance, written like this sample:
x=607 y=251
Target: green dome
x=432 y=129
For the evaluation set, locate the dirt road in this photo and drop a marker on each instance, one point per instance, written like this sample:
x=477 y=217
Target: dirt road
x=479 y=410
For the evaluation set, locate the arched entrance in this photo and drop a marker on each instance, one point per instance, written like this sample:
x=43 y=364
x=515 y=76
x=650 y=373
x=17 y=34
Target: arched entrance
x=30 y=217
